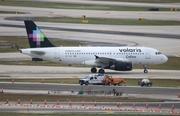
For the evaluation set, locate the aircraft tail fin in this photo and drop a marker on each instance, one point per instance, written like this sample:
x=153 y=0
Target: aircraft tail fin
x=35 y=36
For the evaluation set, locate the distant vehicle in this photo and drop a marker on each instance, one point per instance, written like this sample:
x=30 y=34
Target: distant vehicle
x=108 y=80
x=92 y=79
x=145 y=82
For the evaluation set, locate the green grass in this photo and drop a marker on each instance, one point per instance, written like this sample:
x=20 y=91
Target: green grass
x=156 y=82
x=107 y=21
x=129 y=82
x=74 y=6
x=52 y=80
x=10 y=12
x=32 y=63
x=83 y=115
x=146 y=1
x=23 y=43
x=67 y=98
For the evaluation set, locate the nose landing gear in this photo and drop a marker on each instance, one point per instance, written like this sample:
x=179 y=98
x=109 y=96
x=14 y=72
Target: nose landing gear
x=145 y=70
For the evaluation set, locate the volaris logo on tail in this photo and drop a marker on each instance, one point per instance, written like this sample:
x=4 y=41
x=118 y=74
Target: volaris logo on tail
x=37 y=36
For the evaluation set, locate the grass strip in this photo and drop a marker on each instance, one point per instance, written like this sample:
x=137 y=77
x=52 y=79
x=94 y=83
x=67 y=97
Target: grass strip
x=67 y=98
x=145 y=1
x=10 y=12
x=106 y=21
x=129 y=81
x=83 y=115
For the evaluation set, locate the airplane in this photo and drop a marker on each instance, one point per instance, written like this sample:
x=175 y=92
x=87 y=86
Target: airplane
x=114 y=58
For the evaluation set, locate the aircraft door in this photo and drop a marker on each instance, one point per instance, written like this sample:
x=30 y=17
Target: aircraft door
x=147 y=54
x=110 y=54
x=56 y=53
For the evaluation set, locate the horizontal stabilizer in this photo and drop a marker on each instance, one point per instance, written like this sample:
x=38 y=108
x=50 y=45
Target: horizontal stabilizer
x=40 y=53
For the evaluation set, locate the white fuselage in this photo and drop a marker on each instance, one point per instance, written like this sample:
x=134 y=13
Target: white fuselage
x=87 y=55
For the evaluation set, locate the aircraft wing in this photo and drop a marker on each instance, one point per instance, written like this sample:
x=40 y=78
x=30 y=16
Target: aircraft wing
x=106 y=59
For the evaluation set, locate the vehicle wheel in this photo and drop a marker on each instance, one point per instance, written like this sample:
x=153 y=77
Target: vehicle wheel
x=109 y=84
x=93 y=70
x=80 y=83
x=119 y=83
x=145 y=71
x=101 y=71
x=149 y=85
x=86 y=83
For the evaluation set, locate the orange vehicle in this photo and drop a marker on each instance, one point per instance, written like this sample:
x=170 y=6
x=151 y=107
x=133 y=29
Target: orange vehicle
x=108 y=80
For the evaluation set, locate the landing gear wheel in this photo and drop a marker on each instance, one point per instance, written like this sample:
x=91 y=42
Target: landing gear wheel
x=86 y=83
x=80 y=83
x=101 y=71
x=145 y=71
x=93 y=70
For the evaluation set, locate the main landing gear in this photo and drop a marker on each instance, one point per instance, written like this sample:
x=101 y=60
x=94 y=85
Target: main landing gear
x=145 y=70
x=101 y=71
x=94 y=70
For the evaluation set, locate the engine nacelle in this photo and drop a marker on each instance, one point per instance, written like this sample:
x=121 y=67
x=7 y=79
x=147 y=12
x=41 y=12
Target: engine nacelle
x=122 y=66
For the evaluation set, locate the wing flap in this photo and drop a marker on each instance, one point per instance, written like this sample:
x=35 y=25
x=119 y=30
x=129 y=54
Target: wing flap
x=102 y=59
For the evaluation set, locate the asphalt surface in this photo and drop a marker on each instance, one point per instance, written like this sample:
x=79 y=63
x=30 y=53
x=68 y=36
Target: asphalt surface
x=63 y=87
x=160 y=93
x=100 y=108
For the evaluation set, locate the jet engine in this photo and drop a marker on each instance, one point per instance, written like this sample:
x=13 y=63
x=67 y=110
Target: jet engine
x=121 y=66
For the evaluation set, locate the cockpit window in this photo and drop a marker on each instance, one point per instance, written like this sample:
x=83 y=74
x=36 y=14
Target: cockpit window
x=157 y=53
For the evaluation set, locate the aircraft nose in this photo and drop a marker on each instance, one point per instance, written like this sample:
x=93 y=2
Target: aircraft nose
x=165 y=58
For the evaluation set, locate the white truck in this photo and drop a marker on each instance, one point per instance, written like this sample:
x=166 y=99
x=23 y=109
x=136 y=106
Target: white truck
x=92 y=79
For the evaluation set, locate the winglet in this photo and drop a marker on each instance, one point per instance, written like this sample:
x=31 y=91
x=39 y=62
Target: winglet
x=96 y=56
